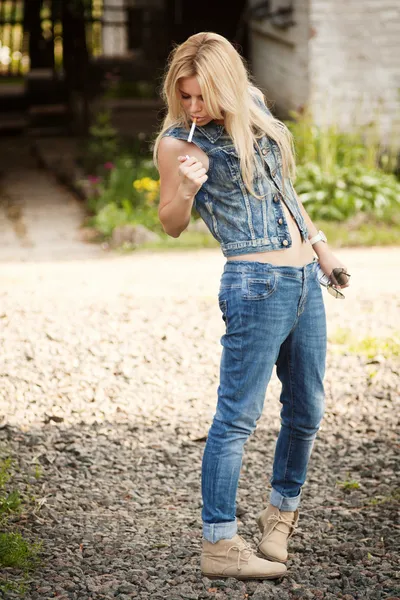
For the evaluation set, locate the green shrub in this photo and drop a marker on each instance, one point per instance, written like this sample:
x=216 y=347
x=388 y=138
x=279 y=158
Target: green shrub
x=341 y=174
x=109 y=217
x=129 y=194
x=342 y=177
x=344 y=191
x=102 y=144
x=329 y=147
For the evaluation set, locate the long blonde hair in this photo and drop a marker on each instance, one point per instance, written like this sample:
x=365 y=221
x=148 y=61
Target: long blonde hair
x=227 y=94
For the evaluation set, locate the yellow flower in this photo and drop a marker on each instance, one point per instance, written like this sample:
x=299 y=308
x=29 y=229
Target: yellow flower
x=149 y=187
x=146 y=184
x=151 y=197
x=137 y=184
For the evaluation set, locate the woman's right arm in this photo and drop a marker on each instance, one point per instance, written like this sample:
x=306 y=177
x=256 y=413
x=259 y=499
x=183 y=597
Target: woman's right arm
x=180 y=180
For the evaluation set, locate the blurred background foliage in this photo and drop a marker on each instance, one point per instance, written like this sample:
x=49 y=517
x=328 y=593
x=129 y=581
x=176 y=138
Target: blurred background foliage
x=342 y=178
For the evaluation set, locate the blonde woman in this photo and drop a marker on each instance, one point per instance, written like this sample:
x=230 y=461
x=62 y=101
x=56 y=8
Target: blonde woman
x=238 y=172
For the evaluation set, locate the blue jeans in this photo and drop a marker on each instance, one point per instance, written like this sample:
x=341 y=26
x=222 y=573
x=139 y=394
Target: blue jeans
x=273 y=315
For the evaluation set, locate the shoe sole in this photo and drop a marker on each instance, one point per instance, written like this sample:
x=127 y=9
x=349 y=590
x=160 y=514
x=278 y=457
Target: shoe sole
x=216 y=577
x=272 y=558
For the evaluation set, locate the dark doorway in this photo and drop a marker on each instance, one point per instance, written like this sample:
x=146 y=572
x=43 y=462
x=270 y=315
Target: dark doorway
x=185 y=19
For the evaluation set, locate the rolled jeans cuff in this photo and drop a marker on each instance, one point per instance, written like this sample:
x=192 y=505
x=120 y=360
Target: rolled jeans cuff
x=285 y=504
x=213 y=532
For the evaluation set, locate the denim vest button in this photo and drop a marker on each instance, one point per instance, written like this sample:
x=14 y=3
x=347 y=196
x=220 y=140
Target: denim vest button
x=264 y=151
x=280 y=221
x=285 y=243
x=276 y=199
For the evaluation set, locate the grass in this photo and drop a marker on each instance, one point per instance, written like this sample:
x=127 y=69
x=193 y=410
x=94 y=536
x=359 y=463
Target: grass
x=368 y=346
x=349 y=484
x=341 y=235
x=393 y=497
x=16 y=552
x=329 y=146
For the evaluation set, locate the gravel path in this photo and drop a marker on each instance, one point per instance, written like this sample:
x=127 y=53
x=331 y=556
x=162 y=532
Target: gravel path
x=108 y=382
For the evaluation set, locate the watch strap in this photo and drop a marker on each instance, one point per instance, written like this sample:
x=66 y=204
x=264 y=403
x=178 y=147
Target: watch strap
x=317 y=238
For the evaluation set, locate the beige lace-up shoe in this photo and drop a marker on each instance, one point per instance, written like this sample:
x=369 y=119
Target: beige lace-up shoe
x=235 y=558
x=276 y=527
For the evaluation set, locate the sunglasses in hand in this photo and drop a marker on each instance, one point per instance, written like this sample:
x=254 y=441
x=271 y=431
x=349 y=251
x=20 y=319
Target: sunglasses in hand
x=339 y=276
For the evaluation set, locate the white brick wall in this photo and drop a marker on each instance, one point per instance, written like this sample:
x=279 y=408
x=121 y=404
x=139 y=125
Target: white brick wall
x=342 y=58
x=355 y=61
x=279 y=58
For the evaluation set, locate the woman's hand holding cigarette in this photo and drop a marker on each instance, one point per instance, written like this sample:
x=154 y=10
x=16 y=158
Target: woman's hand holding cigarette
x=192 y=173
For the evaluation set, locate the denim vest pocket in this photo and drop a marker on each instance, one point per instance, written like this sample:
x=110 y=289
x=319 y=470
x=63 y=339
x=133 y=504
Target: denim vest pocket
x=260 y=288
x=233 y=161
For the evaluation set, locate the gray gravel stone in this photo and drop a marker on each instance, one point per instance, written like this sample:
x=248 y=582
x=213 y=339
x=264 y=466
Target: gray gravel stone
x=108 y=383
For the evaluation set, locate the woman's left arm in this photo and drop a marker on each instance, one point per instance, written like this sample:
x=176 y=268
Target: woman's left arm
x=326 y=258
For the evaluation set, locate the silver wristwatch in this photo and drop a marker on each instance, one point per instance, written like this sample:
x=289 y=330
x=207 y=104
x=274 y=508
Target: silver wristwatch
x=320 y=237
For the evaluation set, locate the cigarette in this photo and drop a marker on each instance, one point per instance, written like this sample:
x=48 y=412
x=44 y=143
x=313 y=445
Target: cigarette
x=192 y=130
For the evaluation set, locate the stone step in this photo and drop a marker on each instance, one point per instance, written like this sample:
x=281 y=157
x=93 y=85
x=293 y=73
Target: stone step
x=54 y=130
x=48 y=109
x=13 y=121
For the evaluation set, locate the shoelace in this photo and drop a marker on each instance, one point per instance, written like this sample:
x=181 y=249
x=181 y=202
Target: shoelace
x=240 y=550
x=280 y=519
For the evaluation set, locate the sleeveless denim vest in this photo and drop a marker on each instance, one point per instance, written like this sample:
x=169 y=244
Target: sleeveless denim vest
x=239 y=221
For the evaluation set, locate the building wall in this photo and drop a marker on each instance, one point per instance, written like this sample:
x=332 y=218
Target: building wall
x=279 y=57
x=355 y=60
x=342 y=58
x=114 y=32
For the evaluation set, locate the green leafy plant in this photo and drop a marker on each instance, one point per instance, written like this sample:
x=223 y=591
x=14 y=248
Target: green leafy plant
x=342 y=177
x=102 y=144
x=345 y=191
x=127 y=193
x=343 y=174
x=110 y=217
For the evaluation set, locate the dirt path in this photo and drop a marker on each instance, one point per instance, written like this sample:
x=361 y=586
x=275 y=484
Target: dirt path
x=39 y=219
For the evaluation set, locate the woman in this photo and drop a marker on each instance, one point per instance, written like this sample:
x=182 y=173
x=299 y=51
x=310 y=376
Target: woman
x=238 y=173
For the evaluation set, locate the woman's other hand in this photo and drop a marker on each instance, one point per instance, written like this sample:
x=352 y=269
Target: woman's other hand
x=328 y=262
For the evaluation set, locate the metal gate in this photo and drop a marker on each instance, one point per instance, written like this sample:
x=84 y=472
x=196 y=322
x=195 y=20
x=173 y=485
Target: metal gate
x=94 y=25
x=14 y=58
x=32 y=31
